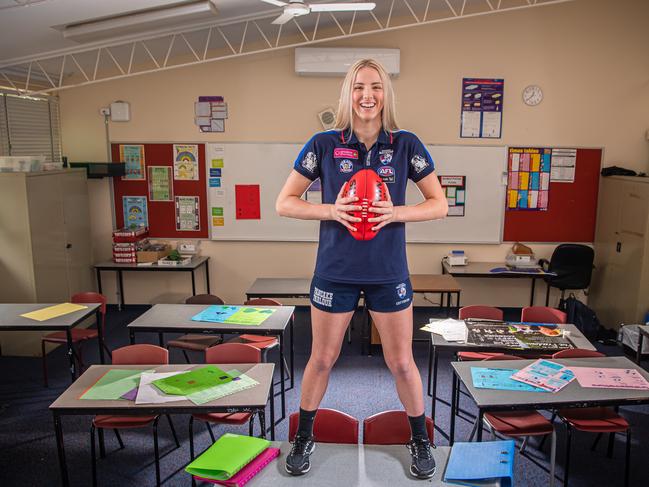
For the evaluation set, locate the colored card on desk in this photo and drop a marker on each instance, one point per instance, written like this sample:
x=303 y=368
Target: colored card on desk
x=193 y=381
x=485 y=463
x=545 y=374
x=500 y=379
x=216 y=313
x=55 y=311
x=240 y=382
x=249 y=316
x=610 y=378
x=114 y=384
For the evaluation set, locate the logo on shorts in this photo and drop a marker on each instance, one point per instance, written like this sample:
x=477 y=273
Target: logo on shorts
x=321 y=297
x=401 y=290
x=346 y=166
x=385 y=156
x=387 y=174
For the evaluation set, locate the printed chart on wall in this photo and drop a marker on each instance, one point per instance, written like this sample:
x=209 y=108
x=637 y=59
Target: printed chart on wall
x=455 y=190
x=133 y=158
x=210 y=113
x=528 y=182
x=482 y=107
x=135 y=211
x=188 y=213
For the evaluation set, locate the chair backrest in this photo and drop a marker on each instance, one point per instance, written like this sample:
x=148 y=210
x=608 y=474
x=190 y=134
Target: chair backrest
x=262 y=302
x=577 y=353
x=543 y=314
x=329 y=426
x=479 y=311
x=391 y=428
x=92 y=297
x=141 y=354
x=232 y=353
x=502 y=356
x=204 y=299
x=573 y=264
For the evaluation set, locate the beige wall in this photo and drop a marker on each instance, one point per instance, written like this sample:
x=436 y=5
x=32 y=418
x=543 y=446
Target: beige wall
x=589 y=56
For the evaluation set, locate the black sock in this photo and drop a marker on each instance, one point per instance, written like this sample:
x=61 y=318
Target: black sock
x=305 y=426
x=418 y=427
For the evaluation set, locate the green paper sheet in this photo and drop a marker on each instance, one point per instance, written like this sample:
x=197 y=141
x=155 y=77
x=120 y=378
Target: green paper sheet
x=113 y=384
x=227 y=456
x=193 y=381
x=240 y=382
x=249 y=316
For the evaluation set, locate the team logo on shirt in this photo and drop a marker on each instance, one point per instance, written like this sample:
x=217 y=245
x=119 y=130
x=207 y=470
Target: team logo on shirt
x=418 y=163
x=387 y=174
x=346 y=166
x=310 y=162
x=342 y=153
x=385 y=156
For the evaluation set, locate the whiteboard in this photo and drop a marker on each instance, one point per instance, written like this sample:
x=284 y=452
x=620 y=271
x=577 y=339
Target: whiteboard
x=269 y=164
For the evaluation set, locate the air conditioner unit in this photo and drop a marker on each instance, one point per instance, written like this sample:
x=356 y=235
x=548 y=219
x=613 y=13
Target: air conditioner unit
x=335 y=61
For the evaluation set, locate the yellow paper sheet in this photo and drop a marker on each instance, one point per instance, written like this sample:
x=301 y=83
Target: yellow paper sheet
x=53 y=311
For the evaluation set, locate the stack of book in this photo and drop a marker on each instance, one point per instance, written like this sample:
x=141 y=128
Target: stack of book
x=232 y=460
x=125 y=242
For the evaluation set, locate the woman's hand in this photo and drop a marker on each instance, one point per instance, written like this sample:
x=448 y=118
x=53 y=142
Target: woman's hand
x=339 y=210
x=387 y=213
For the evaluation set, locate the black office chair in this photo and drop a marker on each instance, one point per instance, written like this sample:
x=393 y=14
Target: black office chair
x=573 y=266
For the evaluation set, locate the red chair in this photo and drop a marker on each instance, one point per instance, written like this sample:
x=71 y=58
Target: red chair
x=391 y=428
x=142 y=354
x=329 y=426
x=598 y=420
x=79 y=335
x=543 y=314
x=225 y=353
x=517 y=424
x=478 y=311
x=195 y=342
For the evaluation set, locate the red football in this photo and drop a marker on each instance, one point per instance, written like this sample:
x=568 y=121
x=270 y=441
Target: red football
x=367 y=186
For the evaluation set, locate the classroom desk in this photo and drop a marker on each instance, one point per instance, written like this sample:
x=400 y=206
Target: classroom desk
x=438 y=344
x=279 y=287
x=252 y=400
x=177 y=318
x=573 y=395
x=445 y=285
x=483 y=269
x=10 y=320
x=121 y=268
x=643 y=331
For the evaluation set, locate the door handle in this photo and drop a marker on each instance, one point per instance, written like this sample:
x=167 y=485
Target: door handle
x=68 y=246
x=618 y=247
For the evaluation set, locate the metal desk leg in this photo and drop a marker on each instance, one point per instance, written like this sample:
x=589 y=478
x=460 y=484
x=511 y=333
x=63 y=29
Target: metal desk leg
x=430 y=365
x=638 y=354
x=131 y=335
x=161 y=340
x=100 y=337
x=532 y=293
x=207 y=275
x=121 y=289
x=73 y=371
x=272 y=410
x=58 y=429
x=451 y=433
x=292 y=352
x=434 y=394
x=193 y=283
x=281 y=374
x=458 y=302
x=480 y=416
x=262 y=419
x=99 y=281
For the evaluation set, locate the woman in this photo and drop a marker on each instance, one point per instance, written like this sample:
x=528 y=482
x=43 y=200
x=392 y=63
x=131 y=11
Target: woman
x=366 y=136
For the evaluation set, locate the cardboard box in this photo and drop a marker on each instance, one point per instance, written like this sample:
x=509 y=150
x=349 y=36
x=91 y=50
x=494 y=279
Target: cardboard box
x=152 y=256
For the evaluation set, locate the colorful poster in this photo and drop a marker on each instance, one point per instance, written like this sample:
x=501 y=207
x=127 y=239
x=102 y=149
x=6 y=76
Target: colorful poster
x=186 y=162
x=500 y=379
x=517 y=336
x=247 y=202
x=528 y=181
x=133 y=158
x=210 y=113
x=548 y=375
x=187 y=213
x=135 y=211
x=160 y=183
x=482 y=106
x=455 y=191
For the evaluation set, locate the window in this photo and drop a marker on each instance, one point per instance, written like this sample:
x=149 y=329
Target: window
x=30 y=126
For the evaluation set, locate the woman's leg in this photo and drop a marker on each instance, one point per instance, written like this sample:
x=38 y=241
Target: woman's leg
x=395 y=330
x=328 y=331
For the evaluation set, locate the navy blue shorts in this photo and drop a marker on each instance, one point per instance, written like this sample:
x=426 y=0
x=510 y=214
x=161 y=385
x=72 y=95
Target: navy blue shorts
x=340 y=297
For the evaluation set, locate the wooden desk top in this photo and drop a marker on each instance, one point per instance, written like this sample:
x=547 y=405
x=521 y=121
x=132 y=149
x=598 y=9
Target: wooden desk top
x=10 y=318
x=434 y=283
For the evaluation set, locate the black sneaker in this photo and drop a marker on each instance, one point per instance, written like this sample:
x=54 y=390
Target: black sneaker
x=297 y=461
x=423 y=463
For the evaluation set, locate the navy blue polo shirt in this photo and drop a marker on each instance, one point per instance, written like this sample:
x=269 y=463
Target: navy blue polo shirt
x=334 y=156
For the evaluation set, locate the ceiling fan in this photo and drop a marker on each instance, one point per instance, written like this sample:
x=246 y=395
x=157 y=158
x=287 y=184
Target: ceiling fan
x=297 y=8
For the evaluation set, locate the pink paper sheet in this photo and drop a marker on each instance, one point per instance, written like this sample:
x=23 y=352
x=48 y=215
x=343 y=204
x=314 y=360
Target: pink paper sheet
x=610 y=378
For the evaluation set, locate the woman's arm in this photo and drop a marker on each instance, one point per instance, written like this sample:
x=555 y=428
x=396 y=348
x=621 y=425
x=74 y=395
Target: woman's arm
x=433 y=207
x=290 y=204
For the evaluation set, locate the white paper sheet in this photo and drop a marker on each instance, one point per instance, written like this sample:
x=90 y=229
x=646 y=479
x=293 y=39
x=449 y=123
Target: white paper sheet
x=147 y=393
x=451 y=330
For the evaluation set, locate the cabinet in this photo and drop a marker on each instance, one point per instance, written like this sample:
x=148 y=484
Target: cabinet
x=45 y=246
x=620 y=286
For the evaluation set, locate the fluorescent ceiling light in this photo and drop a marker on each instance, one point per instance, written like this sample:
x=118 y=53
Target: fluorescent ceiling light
x=138 y=21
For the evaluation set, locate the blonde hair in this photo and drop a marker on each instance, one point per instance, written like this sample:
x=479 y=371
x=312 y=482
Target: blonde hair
x=344 y=115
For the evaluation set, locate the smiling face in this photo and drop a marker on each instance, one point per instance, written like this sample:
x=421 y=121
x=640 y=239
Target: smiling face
x=367 y=96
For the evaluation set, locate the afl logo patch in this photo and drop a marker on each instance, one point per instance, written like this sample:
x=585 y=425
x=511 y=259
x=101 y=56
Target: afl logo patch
x=387 y=174
x=346 y=166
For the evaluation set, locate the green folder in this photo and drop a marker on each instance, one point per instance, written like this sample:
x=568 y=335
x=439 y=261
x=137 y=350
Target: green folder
x=227 y=456
x=193 y=381
x=113 y=384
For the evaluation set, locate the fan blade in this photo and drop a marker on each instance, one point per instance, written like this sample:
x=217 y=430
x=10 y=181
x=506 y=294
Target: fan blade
x=282 y=19
x=341 y=7
x=277 y=3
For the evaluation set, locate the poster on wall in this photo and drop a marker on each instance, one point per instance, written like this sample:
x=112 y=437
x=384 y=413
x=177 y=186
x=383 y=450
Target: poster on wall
x=133 y=158
x=186 y=162
x=528 y=181
x=187 y=213
x=455 y=191
x=482 y=106
x=210 y=113
x=160 y=183
x=135 y=211
x=564 y=165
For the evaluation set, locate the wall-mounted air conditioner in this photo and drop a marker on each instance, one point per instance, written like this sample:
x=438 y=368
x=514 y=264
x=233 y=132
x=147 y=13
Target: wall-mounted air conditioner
x=335 y=61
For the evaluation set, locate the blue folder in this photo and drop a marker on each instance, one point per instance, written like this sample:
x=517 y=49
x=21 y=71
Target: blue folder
x=481 y=464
